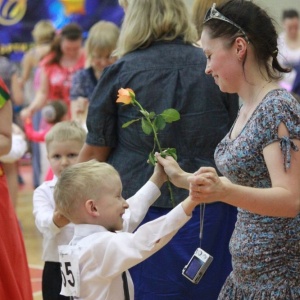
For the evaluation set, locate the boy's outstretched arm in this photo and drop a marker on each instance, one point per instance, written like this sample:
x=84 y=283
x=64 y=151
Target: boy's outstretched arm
x=143 y=199
x=159 y=176
x=188 y=206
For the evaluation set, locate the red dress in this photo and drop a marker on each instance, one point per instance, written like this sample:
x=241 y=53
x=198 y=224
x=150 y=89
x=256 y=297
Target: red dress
x=14 y=273
x=60 y=78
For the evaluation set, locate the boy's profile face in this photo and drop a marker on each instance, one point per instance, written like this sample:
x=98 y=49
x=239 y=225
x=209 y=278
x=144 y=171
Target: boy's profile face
x=111 y=205
x=62 y=154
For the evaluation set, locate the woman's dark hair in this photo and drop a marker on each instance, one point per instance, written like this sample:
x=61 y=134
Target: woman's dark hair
x=289 y=14
x=71 y=32
x=259 y=28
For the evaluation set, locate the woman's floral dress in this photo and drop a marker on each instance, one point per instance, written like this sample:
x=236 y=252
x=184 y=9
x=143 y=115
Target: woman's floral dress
x=265 y=250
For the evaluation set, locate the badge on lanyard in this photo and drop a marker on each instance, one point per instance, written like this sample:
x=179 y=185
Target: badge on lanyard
x=69 y=266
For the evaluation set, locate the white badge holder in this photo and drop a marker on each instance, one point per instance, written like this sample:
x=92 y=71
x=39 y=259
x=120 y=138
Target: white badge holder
x=69 y=266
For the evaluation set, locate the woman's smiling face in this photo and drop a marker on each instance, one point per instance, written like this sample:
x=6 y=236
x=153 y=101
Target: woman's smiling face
x=222 y=62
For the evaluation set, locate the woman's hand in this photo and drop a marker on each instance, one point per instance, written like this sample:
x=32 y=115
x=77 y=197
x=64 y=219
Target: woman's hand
x=206 y=186
x=176 y=175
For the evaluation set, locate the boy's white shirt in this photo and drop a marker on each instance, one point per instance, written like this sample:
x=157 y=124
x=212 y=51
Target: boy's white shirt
x=97 y=257
x=43 y=209
x=53 y=236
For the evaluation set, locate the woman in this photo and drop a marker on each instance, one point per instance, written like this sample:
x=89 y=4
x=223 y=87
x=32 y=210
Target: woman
x=15 y=280
x=163 y=67
x=259 y=157
x=57 y=68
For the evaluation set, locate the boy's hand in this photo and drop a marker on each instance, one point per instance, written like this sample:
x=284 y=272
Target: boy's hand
x=159 y=176
x=60 y=220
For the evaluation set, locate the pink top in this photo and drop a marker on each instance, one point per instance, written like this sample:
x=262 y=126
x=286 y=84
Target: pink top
x=60 y=78
x=33 y=135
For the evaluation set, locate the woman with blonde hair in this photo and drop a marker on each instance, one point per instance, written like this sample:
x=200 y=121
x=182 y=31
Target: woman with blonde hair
x=159 y=61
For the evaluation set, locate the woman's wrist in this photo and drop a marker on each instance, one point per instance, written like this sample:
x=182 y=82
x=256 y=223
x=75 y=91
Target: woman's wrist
x=180 y=180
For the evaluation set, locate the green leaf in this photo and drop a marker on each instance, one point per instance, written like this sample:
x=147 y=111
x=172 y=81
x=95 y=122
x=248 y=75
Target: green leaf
x=170 y=115
x=159 y=122
x=146 y=126
x=152 y=159
x=152 y=115
x=129 y=123
x=169 y=152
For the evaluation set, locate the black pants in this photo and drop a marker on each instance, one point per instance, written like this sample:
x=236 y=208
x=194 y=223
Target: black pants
x=51 y=282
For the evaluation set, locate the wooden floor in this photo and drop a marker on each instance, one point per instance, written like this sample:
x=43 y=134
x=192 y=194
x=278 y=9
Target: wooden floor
x=32 y=237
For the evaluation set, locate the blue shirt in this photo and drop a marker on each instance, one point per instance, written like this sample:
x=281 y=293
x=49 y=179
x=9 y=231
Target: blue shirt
x=164 y=75
x=83 y=83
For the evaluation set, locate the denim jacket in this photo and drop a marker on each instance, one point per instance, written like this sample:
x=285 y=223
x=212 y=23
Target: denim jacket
x=163 y=75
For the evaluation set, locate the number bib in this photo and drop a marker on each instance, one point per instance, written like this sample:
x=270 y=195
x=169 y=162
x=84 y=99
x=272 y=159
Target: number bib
x=69 y=267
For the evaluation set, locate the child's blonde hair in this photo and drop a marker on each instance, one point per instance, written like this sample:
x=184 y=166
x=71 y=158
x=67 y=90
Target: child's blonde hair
x=65 y=131
x=81 y=182
x=102 y=37
x=43 y=32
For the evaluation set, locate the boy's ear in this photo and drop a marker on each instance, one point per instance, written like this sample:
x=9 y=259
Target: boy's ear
x=92 y=208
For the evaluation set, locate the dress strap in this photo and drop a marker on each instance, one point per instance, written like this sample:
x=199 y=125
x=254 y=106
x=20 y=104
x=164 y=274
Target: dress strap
x=286 y=144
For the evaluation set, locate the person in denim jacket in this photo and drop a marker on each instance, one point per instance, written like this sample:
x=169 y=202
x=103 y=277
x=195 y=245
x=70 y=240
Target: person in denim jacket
x=161 y=64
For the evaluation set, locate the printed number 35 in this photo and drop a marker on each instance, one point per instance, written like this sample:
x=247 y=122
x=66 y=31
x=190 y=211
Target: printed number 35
x=68 y=273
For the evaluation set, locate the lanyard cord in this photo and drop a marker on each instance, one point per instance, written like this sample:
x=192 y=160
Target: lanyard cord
x=125 y=286
x=202 y=211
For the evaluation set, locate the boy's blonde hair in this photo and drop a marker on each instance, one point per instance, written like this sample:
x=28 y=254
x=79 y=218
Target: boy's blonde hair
x=147 y=21
x=81 y=182
x=43 y=32
x=102 y=36
x=65 y=131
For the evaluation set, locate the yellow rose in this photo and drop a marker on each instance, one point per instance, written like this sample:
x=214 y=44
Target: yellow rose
x=125 y=96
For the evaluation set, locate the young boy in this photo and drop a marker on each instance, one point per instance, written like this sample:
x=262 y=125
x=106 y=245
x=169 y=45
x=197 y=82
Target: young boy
x=63 y=142
x=94 y=265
